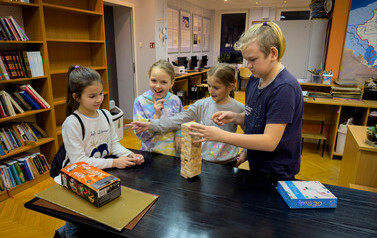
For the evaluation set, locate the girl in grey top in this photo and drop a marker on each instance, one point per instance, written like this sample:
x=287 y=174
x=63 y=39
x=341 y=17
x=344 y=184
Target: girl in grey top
x=221 y=82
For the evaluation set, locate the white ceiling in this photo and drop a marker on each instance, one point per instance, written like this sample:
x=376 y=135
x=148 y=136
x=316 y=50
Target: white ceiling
x=246 y=4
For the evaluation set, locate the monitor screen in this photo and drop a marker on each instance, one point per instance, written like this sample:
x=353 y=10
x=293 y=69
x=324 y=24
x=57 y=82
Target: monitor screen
x=204 y=61
x=194 y=62
x=182 y=61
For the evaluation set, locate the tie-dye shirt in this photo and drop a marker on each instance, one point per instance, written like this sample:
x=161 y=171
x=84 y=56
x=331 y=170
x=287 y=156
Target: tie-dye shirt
x=162 y=143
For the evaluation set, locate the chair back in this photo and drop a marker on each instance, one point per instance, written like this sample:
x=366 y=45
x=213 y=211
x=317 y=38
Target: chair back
x=244 y=72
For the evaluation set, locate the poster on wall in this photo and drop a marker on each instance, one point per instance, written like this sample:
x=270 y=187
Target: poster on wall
x=359 y=59
x=196 y=33
x=173 y=27
x=186 y=23
x=205 y=34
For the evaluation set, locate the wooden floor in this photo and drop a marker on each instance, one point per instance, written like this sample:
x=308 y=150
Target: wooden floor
x=16 y=221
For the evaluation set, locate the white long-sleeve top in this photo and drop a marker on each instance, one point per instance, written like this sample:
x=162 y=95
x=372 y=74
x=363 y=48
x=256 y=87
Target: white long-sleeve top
x=100 y=140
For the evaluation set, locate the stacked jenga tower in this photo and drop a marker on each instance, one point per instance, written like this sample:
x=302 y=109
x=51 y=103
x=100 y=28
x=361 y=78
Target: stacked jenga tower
x=191 y=157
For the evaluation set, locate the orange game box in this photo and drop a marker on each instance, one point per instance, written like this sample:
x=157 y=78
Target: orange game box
x=91 y=183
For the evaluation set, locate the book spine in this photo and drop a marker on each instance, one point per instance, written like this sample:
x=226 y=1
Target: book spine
x=37 y=165
x=27 y=64
x=37 y=95
x=3 y=103
x=19 y=172
x=32 y=167
x=4 y=178
x=30 y=100
x=2 y=33
x=10 y=175
x=9 y=62
x=12 y=29
x=7 y=139
x=7 y=31
x=9 y=104
x=15 y=104
x=14 y=173
x=4 y=140
x=18 y=63
x=22 y=100
x=4 y=66
x=4 y=69
x=22 y=33
x=31 y=131
x=43 y=162
x=26 y=169
x=32 y=95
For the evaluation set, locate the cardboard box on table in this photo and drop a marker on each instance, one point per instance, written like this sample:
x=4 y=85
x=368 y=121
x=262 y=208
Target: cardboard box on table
x=306 y=194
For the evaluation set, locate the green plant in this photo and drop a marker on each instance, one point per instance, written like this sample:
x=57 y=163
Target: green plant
x=372 y=133
x=224 y=57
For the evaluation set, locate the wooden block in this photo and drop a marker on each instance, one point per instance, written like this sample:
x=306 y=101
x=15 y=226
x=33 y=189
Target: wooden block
x=191 y=157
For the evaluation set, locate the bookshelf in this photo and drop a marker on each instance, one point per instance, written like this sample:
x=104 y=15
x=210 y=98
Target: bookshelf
x=66 y=33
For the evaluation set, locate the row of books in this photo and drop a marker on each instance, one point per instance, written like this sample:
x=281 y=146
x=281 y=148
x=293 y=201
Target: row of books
x=20 y=64
x=25 y=1
x=10 y=30
x=16 y=135
x=346 y=93
x=17 y=171
x=24 y=100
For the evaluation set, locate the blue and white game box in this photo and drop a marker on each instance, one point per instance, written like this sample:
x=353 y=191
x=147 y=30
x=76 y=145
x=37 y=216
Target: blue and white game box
x=306 y=194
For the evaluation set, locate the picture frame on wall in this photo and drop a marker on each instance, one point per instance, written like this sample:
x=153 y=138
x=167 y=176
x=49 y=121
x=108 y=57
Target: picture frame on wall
x=173 y=30
x=205 y=34
x=185 y=31
x=196 y=33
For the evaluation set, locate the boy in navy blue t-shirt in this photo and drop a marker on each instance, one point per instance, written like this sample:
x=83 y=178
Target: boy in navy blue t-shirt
x=273 y=109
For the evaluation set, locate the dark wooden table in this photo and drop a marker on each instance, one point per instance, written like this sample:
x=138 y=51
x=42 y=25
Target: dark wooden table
x=224 y=202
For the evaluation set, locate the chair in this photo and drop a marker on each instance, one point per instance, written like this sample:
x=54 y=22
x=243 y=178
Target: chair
x=320 y=136
x=243 y=75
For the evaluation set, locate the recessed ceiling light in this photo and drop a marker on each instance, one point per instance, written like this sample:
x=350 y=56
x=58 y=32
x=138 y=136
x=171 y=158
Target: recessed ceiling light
x=257 y=3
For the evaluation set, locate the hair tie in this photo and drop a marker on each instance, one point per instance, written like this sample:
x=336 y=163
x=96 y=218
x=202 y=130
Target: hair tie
x=77 y=66
x=265 y=23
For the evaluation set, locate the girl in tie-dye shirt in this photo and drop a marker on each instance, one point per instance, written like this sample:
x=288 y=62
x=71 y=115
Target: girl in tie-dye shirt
x=158 y=103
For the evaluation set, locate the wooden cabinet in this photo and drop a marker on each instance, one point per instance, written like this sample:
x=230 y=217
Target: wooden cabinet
x=66 y=33
x=359 y=163
x=335 y=112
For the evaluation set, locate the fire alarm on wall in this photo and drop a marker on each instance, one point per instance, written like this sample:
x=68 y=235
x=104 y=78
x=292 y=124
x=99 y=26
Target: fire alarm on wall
x=151 y=45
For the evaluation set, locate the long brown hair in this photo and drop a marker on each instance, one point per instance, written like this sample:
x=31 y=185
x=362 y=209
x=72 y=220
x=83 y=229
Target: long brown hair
x=79 y=77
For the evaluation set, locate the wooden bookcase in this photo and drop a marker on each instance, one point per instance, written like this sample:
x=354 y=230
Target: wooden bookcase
x=68 y=32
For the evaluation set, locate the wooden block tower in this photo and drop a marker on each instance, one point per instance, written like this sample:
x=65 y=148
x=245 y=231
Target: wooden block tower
x=191 y=157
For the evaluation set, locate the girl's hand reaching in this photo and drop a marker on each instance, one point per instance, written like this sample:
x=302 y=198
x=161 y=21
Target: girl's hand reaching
x=158 y=107
x=139 y=126
x=223 y=117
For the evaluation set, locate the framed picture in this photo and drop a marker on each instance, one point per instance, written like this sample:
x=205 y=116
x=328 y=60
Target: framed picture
x=173 y=30
x=196 y=33
x=185 y=31
x=205 y=34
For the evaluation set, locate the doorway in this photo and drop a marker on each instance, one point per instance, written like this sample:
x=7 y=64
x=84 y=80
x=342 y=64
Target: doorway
x=232 y=27
x=120 y=56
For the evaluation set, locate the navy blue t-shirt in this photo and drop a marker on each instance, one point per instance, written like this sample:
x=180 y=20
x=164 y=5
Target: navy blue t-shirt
x=280 y=102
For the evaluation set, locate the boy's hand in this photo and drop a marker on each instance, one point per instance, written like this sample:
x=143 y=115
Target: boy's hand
x=158 y=107
x=177 y=144
x=139 y=126
x=207 y=133
x=138 y=158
